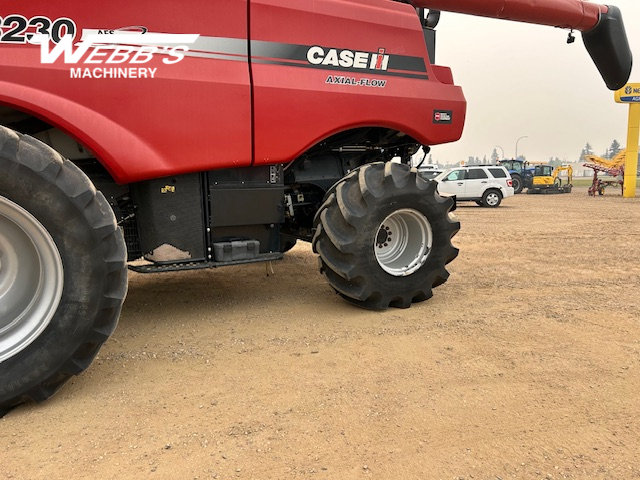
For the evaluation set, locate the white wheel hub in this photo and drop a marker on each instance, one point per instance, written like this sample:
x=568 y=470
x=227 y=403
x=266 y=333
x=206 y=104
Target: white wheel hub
x=403 y=242
x=31 y=278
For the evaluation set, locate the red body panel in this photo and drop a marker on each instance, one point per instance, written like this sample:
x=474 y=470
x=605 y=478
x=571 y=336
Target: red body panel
x=295 y=107
x=194 y=115
x=197 y=114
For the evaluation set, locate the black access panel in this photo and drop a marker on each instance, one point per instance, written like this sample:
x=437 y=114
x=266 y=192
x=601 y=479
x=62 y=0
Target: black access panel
x=169 y=213
x=247 y=204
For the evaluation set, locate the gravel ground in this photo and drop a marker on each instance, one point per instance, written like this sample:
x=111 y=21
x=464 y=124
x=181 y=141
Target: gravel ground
x=525 y=364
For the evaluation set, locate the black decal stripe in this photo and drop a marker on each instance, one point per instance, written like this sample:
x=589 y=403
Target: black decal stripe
x=216 y=56
x=343 y=71
x=221 y=45
x=282 y=51
x=286 y=51
x=292 y=55
x=411 y=64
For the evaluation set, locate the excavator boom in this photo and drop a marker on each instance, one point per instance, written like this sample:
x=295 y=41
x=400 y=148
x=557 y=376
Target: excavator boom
x=602 y=28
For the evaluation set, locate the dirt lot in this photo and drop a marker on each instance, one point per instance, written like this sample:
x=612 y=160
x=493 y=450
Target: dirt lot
x=525 y=364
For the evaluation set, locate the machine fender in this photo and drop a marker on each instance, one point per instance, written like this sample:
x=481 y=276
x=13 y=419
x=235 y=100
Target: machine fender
x=86 y=126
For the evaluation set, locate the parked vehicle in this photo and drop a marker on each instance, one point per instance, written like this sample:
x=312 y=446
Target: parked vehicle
x=521 y=173
x=429 y=172
x=486 y=185
x=546 y=179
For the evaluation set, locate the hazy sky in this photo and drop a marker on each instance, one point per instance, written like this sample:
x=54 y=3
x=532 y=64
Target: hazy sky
x=525 y=80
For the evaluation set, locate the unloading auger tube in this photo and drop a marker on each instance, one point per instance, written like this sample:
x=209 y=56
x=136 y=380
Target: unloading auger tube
x=602 y=27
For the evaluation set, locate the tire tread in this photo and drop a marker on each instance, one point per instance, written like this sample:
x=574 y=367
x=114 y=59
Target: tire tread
x=356 y=195
x=67 y=178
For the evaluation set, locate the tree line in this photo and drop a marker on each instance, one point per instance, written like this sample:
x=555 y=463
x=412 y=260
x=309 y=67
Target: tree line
x=609 y=153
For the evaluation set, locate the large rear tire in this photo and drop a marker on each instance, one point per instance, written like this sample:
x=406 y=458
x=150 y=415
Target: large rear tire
x=63 y=274
x=516 y=183
x=384 y=237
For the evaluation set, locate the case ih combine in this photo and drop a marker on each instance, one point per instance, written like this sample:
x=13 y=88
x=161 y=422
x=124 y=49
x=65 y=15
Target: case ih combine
x=220 y=134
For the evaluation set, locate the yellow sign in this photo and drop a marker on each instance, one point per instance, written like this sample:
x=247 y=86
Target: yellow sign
x=630 y=93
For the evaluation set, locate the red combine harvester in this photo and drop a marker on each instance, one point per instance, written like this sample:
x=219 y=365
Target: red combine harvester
x=214 y=133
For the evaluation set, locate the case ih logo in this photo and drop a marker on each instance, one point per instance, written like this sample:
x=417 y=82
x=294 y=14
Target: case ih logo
x=348 y=58
x=442 y=116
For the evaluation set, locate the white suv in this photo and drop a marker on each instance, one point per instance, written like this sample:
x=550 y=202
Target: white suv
x=487 y=185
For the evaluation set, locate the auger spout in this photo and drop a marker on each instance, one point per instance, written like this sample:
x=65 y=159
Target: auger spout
x=602 y=27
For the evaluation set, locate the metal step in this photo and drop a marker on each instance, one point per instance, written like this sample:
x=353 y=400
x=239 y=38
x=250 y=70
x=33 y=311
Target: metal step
x=152 y=267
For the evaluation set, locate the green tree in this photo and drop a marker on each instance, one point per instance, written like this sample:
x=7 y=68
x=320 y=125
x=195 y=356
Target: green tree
x=614 y=149
x=555 y=162
x=587 y=150
x=494 y=156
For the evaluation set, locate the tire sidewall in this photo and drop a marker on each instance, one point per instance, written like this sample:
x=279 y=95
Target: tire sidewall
x=517 y=181
x=425 y=205
x=488 y=194
x=85 y=273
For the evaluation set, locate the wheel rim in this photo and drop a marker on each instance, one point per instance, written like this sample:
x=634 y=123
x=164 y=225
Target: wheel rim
x=31 y=278
x=403 y=242
x=492 y=199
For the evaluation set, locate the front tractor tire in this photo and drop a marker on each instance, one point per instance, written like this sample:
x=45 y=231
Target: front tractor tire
x=384 y=236
x=63 y=274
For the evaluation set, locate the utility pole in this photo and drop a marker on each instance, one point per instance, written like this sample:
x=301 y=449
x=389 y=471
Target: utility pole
x=525 y=136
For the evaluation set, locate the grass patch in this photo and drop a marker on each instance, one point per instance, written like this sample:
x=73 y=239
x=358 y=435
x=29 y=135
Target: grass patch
x=583 y=182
